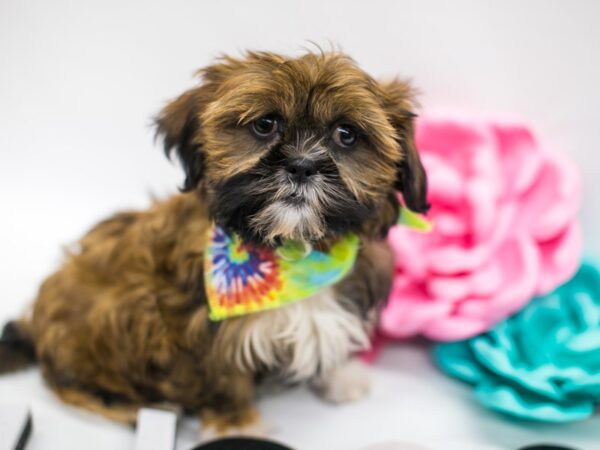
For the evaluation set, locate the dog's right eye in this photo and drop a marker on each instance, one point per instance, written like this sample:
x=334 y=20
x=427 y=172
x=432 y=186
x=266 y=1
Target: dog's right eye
x=345 y=136
x=265 y=126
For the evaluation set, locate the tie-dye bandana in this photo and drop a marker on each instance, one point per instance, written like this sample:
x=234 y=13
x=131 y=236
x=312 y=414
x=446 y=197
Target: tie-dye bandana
x=241 y=278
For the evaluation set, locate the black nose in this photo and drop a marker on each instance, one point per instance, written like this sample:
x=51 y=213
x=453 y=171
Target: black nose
x=301 y=170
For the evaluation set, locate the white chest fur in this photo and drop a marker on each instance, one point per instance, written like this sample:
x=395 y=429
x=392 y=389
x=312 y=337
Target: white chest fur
x=310 y=337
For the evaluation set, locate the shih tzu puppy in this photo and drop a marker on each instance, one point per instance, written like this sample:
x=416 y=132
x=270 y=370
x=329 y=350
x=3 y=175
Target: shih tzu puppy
x=269 y=265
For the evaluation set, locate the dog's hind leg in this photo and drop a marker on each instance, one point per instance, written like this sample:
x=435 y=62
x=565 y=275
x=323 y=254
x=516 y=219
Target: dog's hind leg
x=118 y=411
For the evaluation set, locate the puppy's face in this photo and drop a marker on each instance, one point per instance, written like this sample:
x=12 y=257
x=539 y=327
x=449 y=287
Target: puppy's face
x=307 y=148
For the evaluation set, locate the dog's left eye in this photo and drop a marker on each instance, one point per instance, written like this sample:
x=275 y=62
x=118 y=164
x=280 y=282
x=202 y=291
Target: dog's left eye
x=345 y=135
x=265 y=126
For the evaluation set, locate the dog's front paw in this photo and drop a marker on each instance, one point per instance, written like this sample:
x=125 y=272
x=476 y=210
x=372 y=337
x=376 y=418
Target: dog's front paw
x=248 y=424
x=256 y=430
x=347 y=383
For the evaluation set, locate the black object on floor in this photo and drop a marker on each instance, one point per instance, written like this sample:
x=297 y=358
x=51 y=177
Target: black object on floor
x=546 y=447
x=241 y=444
x=25 y=435
x=15 y=427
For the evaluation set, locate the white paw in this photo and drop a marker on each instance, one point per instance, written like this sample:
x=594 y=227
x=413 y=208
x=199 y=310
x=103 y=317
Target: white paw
x=346 y=383
x=256 y=429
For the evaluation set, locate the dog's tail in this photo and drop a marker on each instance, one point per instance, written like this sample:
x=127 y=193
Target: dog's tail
x=16 y=348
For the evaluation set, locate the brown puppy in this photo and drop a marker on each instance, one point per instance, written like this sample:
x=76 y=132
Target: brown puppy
x=273 y=147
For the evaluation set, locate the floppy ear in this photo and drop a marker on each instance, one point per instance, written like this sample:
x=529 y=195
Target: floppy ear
x=411 y=178
x=178 y=124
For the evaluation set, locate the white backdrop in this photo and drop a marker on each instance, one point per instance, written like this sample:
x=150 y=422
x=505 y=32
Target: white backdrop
x=80 y=81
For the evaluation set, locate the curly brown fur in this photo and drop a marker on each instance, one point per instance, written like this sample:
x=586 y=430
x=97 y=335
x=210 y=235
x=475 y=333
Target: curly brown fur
x=123 y=323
